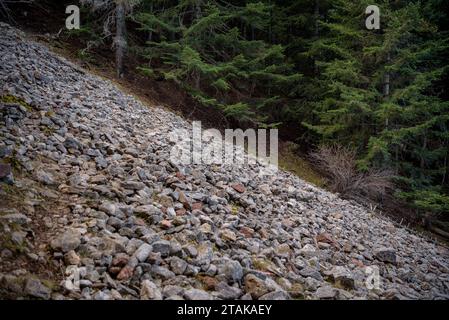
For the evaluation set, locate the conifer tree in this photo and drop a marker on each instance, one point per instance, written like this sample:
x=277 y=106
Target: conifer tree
x=217 y=53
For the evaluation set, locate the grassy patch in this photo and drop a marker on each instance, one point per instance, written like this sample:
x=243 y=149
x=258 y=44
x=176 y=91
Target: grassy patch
x=262 y=264
x=8 y=189
x=289 y=160
x=12 y=161
x=7 y=243
x=234 y=208
x=47 y=130
x=52 y=285
x=50 y=113
x=8 y=98
x=85 y=56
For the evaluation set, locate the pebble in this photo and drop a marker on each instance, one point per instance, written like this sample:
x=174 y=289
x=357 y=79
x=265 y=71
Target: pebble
x=197 y=294
x=150 y=291
x=143 y=252
x=69 y=240
x=35 y=288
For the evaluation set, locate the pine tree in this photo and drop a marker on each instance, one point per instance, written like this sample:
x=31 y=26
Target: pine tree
x=378 y=93
x=344 y=108
x=413 y=119
x=214 y=52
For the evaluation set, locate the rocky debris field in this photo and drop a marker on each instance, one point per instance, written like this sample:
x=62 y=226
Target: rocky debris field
x=92 y=208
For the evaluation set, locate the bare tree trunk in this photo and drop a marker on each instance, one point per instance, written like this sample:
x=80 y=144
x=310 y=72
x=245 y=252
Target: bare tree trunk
x=387 y=80
x=316 y=31
x=386 y=86
x=150 y=35
x=446 y=166
x=424 y=146
x=120 y=37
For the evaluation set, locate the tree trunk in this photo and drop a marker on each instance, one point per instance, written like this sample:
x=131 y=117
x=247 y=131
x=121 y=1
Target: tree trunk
x=424 y=146
x=120 y=38
x=316 y=31
x=386 y=86
x=150 y=34
x=446 y=166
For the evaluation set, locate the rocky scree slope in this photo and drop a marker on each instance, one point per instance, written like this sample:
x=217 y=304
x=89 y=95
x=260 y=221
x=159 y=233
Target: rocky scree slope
x=92 y=196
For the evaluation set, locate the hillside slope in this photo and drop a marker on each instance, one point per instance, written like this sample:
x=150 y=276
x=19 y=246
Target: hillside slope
x=96 y=197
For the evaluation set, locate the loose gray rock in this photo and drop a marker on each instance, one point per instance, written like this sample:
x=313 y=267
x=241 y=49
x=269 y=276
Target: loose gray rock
x=232 y=270
x=150 y=291
x=178 y=265
x=386 y=255
x=161 y=272
x=227 y=292
x=143 y=252
x=197 y=294
x=34 y=288
x=342 y=277
x=276 y=295
x=326 y=293
x=16 y=218
x=162 y=247
x=69 y=240
x=6 y=174
x=45 y=177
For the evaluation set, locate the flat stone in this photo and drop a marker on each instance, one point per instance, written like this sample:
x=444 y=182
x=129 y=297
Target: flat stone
x=162 y=247
x=35 y=288
x=238 y=187
x=326 y=293
x=308 y=250
x=191 y=251
x=178 y=265
x=228 y=235
x=133 y=185
x=69 y=240
x=255 y=286
x=232 y=270
x=227 y=292
x=162 y=272
x=143 y=252
x=342 y=277
x=45 y=177
x=150 y=291
x=197 y=294
x=16 y=218
x=276 y=295
x=386 y=255
x=6 y=174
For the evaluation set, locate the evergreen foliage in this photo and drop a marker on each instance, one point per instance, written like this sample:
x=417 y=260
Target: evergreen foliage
x=211 y=49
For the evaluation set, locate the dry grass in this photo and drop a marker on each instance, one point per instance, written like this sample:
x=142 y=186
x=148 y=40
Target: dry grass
x=290 y=160
x=338 y=164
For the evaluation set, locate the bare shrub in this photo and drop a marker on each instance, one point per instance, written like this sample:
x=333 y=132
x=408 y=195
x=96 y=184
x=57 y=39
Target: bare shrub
x=338 y=164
